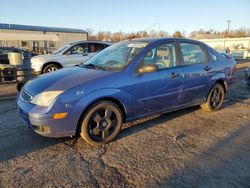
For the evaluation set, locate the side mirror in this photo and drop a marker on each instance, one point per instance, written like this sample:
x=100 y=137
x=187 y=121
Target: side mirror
x=147 y=68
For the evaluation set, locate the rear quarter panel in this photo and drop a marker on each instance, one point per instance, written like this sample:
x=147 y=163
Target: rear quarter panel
x=224 y=71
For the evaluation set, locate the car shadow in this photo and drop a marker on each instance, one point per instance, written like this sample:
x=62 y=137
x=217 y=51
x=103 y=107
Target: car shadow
x=231 y=99
x=20 y=141
x=151 y=121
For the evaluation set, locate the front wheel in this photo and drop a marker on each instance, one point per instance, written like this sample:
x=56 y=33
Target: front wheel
x=101 y=123
x=215 y=99
x=50 y=68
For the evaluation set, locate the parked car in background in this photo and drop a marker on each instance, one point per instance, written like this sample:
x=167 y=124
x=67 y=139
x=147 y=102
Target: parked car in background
x=4 y=53
x=124 y=82
x=67 y=56
x=247 y=76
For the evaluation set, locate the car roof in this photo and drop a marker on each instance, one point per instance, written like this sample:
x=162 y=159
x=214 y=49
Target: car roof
x=159 y=39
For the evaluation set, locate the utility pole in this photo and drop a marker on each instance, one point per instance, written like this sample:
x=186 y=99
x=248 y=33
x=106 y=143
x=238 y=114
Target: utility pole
x=228 y=26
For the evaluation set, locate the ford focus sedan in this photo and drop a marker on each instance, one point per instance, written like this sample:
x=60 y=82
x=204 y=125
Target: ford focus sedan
x=124 y=82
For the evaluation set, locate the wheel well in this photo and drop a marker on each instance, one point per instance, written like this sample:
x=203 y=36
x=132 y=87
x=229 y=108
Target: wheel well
x=51 y=62
x=117 y=102
x=223 y=83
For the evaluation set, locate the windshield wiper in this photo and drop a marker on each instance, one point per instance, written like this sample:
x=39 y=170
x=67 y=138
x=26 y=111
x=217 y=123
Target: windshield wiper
x=92 y=66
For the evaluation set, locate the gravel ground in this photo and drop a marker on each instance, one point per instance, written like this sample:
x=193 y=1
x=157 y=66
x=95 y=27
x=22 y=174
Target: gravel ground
x=7 y=91
x=186 y=148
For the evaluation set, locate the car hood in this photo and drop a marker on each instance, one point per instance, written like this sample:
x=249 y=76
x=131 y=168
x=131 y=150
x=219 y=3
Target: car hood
x=64 y=79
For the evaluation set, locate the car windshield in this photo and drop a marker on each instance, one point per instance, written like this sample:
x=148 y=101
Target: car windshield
x=61 y=49
x=117 y=56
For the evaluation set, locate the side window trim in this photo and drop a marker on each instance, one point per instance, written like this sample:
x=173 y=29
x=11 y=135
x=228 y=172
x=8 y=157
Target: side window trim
x=206 y=55
x=175 y=45
x=70 y=49
x=210 y=54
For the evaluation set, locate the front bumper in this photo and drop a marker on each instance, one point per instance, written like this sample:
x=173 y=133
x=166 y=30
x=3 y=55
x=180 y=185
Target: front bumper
x=42 y=122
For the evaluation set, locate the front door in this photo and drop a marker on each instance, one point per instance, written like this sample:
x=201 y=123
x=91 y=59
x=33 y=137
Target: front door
x=162 y=89
x=76 y=55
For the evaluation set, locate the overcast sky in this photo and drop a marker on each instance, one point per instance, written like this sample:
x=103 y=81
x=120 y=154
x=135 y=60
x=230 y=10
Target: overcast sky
x=128 y=15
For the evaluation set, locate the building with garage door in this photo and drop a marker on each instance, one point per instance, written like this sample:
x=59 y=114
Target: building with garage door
x=38 y=39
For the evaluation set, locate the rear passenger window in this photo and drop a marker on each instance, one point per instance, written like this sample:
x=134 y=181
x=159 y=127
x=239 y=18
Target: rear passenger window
x=95 y=47
x=192 y=53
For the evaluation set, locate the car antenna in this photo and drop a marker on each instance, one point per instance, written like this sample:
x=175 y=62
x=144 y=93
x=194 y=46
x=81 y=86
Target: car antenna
x=133 y=36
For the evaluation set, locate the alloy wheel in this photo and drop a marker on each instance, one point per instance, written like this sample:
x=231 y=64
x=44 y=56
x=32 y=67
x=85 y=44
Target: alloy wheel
x=102 y=124
x=216 y=98
x=51 y=69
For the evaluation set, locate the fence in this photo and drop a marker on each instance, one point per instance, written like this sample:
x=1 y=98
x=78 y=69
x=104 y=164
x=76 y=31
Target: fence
x=238 y=47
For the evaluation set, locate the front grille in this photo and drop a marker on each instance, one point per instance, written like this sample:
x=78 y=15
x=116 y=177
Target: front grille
x=26 y=97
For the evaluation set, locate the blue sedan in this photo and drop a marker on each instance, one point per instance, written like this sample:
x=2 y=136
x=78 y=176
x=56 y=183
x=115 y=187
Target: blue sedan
x=126 y=81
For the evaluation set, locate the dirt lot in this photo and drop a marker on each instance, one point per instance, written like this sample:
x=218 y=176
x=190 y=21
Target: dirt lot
x=187 y=148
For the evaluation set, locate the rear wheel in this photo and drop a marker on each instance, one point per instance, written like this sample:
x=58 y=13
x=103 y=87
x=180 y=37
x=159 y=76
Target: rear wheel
x=215 y=99
x=101 y=123
x=50 y=68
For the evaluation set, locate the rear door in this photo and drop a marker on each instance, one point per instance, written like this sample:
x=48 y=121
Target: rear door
x=197 y=72
x=93 y=48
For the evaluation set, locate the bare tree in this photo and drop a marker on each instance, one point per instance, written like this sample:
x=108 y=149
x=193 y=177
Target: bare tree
x=177 y=34
x=211 y=33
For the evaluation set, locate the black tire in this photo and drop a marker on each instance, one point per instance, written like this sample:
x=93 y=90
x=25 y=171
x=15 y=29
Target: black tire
x=101 y=123
x=51 y=68
x=215 y=99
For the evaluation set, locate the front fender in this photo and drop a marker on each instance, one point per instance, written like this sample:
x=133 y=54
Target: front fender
x=129 y=103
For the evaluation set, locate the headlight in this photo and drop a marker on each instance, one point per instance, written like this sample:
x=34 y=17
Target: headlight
x=45 y=98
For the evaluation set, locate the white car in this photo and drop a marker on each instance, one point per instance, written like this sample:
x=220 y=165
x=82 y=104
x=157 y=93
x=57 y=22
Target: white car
x=67 y=56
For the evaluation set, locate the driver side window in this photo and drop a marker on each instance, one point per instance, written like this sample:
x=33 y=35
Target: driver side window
x=77 y=49
x=163 y=56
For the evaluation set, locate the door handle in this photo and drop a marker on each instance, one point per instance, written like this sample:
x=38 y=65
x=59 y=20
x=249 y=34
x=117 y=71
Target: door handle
x=207 y=68
x=173 y=75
